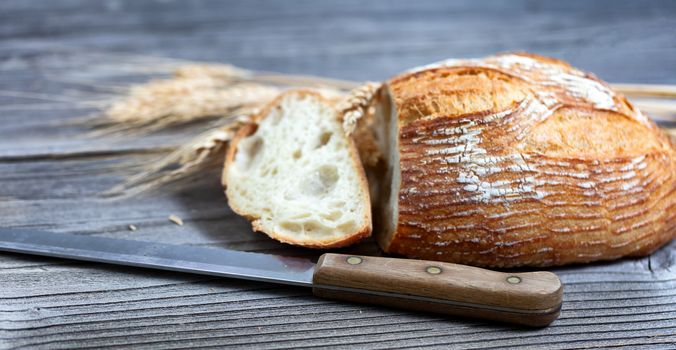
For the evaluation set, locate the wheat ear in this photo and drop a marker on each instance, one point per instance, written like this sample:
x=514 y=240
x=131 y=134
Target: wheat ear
x=356 y=110
x=355 y=105
x=194 y=92
x=204 y=152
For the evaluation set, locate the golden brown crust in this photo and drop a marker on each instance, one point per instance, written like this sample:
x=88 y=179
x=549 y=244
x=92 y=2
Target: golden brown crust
x=247 y=130
x=523 y=160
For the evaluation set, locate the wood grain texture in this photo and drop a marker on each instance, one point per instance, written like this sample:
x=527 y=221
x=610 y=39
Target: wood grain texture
x=526 y=298
x=60 y=60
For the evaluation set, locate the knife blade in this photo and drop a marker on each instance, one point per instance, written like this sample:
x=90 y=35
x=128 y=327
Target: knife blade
x=527 y=298
x=206 y=261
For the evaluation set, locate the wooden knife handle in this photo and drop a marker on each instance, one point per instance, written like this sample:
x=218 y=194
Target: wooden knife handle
x=527 y=298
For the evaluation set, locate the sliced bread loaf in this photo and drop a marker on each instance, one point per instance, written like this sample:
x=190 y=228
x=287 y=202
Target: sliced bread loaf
x=297 y=176
x=519 y=160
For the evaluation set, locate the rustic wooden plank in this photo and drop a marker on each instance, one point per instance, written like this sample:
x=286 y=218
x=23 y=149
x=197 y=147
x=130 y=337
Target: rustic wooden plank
x=59 y=61
x=326 y=38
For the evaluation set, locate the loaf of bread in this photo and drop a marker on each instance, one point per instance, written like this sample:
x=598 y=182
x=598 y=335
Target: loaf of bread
x=296 y=175
x=517 y=160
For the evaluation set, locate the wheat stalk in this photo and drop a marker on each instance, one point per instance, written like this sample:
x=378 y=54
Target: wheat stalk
x=356 y=110
x=162 y=103
x=356 y=104
x=646 y=90
x=194 y=92
x=204 y=152
x=198 y=92
x=202 y=91
x=211 y=70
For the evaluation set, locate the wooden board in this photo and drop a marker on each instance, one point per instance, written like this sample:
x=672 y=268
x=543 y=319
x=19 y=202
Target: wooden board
x=62 y=60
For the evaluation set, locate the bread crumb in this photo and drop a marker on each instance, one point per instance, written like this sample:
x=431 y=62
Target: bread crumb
x=175 y=219
x=132 y=227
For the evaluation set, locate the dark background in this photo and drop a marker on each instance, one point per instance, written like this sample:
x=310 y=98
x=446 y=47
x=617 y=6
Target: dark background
x=62 y=60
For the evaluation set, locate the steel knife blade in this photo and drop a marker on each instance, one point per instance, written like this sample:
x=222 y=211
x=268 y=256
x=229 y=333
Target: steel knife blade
x=527 y=298
x=181 y=258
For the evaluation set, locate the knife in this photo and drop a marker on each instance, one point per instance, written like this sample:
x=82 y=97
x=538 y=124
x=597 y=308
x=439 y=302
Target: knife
x=526 y=298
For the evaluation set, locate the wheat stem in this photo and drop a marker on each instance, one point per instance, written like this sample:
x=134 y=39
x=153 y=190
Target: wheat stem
x=647 y=90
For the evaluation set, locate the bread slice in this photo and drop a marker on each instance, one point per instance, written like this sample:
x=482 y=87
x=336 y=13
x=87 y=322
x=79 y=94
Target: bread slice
x=519 y=160
x=297 y=176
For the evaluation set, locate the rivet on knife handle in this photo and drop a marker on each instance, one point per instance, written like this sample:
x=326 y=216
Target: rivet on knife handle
x=528 y=298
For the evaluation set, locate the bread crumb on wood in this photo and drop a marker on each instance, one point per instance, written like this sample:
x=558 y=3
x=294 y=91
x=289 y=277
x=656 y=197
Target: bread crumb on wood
x=132 y=227
x=175 y=219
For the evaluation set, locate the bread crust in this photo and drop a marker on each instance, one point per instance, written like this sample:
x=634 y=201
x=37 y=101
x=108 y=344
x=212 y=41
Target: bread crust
x=513 y=161
x=247 y=130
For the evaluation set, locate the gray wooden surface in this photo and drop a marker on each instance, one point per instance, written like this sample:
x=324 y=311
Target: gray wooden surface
x=60 y=60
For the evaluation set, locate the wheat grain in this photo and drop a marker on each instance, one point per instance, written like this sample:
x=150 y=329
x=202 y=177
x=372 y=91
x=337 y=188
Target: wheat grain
x=356 y=110
x=355 y=105
x=175 y=219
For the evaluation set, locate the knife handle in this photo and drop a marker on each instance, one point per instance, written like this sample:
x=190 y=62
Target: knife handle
x=526 y=298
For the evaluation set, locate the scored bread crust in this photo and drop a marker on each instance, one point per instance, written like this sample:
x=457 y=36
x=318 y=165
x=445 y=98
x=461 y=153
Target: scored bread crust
x=519 y=159
x=247 y=130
